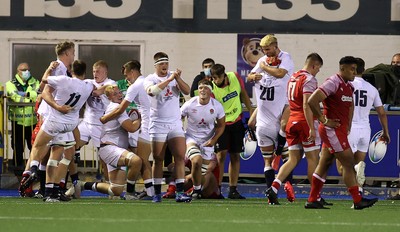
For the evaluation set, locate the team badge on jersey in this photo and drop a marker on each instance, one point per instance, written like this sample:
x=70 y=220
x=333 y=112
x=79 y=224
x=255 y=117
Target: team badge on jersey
x=168 y=93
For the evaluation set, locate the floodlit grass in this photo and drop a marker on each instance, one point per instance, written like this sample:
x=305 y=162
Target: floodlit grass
x=101 y=214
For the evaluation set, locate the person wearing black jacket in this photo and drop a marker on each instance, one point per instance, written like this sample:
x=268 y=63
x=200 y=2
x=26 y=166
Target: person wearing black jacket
x=206 y=73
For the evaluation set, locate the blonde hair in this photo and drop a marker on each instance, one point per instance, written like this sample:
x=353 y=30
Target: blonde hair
x=110 y=90
x=101 y=63
x=268 y=40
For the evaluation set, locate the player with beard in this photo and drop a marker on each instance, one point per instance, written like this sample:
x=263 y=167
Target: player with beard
x=271 y=75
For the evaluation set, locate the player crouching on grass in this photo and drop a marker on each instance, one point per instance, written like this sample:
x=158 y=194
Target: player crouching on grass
x=209 y=181
x=113 y=150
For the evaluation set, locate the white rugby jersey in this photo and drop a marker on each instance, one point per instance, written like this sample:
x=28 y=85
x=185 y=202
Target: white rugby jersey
x=365 y=96
x=164 y=108
x=271 y=98
x=201 y=118
x=271 y=91
x=137 y=94
x=68 y=91
x=96 y=106
x=61 y=70
x=113 y=131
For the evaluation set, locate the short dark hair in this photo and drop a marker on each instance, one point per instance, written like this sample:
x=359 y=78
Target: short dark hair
x=348 y=60
x=397 y=54
x=79 y=67
x=159 y=55
x=205 y=82
x=315 y=57
x=217 y=69
x=208 y=60
x=360 y=65
x=132 y=65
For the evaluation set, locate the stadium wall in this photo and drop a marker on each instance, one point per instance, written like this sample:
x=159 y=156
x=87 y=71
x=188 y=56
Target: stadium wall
x=187 y=50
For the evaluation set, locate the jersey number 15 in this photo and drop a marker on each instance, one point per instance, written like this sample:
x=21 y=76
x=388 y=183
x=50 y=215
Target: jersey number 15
x=360 y=98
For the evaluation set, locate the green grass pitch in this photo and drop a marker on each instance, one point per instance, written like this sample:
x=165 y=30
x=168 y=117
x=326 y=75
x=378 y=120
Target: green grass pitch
x=101 y=214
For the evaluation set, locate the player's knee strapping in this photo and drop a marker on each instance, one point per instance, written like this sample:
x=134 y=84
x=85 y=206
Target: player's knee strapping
x=52 y=163
x=193 y=151
x=112 y=186
x=69 y=144
x=110 y=192
x=65 y=161
x=65 y=144
x=267 y=154
x=285 y=151
x=130 y=155
x=204 y=168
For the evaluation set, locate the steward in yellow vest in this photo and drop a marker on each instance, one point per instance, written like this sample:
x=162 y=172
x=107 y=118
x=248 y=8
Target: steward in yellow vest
x=22 y=88
x=230 y=92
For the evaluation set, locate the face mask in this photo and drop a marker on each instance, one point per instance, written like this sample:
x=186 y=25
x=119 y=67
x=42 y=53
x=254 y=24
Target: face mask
x=26 y=74
x=207 y=71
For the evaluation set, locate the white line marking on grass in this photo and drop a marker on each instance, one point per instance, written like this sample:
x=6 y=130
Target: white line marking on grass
x=169 y=203
x=234 y=221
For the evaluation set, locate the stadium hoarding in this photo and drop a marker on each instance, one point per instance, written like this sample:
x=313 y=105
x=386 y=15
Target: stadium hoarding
x=248 y=53
x=208 y=16
x=387 y=168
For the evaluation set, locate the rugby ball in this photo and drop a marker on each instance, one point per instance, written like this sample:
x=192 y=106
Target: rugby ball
x=377 y=148
x=273 y=61
x=134 y=114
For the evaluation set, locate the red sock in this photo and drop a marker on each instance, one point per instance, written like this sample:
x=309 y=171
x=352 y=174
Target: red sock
x=276 y=185
x=62 y=185
x=171 y=188
x=355 y=194
x=316 y=187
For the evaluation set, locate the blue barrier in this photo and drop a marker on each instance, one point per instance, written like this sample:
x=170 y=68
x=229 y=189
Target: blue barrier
x=387 y=168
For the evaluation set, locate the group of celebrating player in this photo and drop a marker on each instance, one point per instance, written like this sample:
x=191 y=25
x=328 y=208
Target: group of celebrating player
x=307 y=127
x=127 y=127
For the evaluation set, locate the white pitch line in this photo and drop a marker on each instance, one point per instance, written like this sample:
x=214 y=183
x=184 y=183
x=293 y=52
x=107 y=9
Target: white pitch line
x=215 y=203
x=235 y=221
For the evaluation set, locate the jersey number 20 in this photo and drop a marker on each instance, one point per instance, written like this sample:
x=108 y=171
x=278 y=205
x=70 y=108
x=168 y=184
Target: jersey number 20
x=267 y=93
